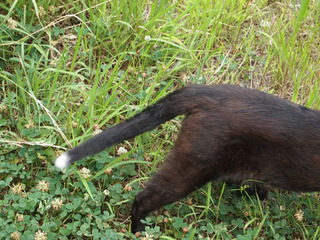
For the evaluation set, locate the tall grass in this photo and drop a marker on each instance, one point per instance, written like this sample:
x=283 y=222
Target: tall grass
x=68 y=70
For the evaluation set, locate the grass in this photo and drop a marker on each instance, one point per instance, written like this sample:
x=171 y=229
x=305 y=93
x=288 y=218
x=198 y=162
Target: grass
x=70 y=70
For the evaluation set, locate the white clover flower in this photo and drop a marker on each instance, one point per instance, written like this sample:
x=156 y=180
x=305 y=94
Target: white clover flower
x=74 y=124
x=106 y=192
x=85 y=172
x=12 y=24
x=127 y=188
x=40 y=235
x=4 y=108
x=299 y=215
x=17 y=189
x=122 y=150
x=57 y=203
x=96 y=132
x=147 y=237
x=30 y=124
x=15 y=235
x=147 y=38
x=41 y=11
x=19 y=217
x=108 y=170
x=43 y=186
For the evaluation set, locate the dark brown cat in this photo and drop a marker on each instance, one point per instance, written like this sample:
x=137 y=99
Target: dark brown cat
x=229 y=134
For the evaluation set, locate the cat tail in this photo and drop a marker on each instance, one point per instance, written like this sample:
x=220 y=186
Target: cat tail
x=167 y=108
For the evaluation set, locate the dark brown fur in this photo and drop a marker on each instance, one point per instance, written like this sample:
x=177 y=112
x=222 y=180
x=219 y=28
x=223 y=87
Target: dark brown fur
x=246 y=135
x=234 y=134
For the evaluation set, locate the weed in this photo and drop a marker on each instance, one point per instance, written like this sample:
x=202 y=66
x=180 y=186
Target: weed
x=69 y=70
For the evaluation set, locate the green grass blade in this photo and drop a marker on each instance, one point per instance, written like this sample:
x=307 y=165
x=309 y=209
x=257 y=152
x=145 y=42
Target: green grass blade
x=85 y=184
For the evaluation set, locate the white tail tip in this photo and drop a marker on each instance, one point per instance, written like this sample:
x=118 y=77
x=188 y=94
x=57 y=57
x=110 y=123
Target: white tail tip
x=62 y=161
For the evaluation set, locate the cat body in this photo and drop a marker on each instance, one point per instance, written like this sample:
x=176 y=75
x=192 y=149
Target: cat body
x=229 y=134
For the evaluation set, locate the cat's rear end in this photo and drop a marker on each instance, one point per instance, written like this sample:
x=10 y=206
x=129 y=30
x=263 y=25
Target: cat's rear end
x=231 y=134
